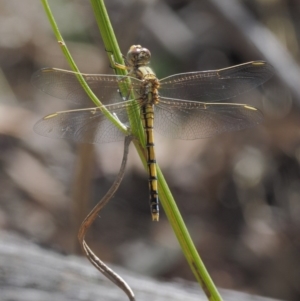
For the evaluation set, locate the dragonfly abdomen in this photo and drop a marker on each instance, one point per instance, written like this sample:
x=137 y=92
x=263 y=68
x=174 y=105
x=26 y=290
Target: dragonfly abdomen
x=147 y=113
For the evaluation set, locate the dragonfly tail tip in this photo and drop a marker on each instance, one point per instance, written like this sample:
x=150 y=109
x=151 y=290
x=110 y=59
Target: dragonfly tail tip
x=155 y=217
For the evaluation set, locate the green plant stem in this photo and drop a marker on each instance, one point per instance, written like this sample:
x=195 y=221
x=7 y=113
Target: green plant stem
x=74 y=67
x=188 y=248
x=110 y=42
x=165 y=195
x=115 y=57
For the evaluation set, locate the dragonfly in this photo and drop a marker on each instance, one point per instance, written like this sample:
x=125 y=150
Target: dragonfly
x=190 y=105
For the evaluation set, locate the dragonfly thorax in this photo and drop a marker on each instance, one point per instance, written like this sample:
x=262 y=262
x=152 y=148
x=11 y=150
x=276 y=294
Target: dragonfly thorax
x=149 y=89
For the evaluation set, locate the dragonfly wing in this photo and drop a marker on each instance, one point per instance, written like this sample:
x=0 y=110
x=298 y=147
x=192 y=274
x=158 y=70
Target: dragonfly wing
x=84 y=125
x=194 y=120
x=64 y=84
x=216 y=85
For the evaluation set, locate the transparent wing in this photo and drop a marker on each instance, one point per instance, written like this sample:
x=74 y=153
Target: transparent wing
x=194 y=120
x=86 y=125
x=64 y=84
x=217 y=84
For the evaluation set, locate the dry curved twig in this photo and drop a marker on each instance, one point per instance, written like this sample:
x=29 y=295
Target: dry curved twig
x=100 y=265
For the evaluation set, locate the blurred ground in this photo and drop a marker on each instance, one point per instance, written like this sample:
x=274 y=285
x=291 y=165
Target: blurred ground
x=239 y=192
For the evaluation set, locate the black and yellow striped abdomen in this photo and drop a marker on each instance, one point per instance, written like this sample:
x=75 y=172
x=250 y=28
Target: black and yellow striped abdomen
x=148 y=98
x=147 y=114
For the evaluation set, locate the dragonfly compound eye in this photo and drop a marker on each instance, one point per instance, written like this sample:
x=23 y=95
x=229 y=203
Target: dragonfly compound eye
x=137 y=55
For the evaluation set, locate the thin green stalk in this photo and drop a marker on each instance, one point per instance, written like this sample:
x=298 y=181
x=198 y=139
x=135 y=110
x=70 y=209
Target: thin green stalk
x=165 y=195
x=74 y=67
x=110 y=43
x=115 y=57
x=188 y=248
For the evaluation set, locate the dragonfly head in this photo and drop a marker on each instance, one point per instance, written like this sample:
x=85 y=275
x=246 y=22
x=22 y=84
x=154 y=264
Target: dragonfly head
x=138 y=56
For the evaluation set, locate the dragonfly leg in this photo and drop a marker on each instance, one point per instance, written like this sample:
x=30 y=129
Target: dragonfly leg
x=114 y=64
x=120 y=66
x=129 y=91
x=111 y=59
